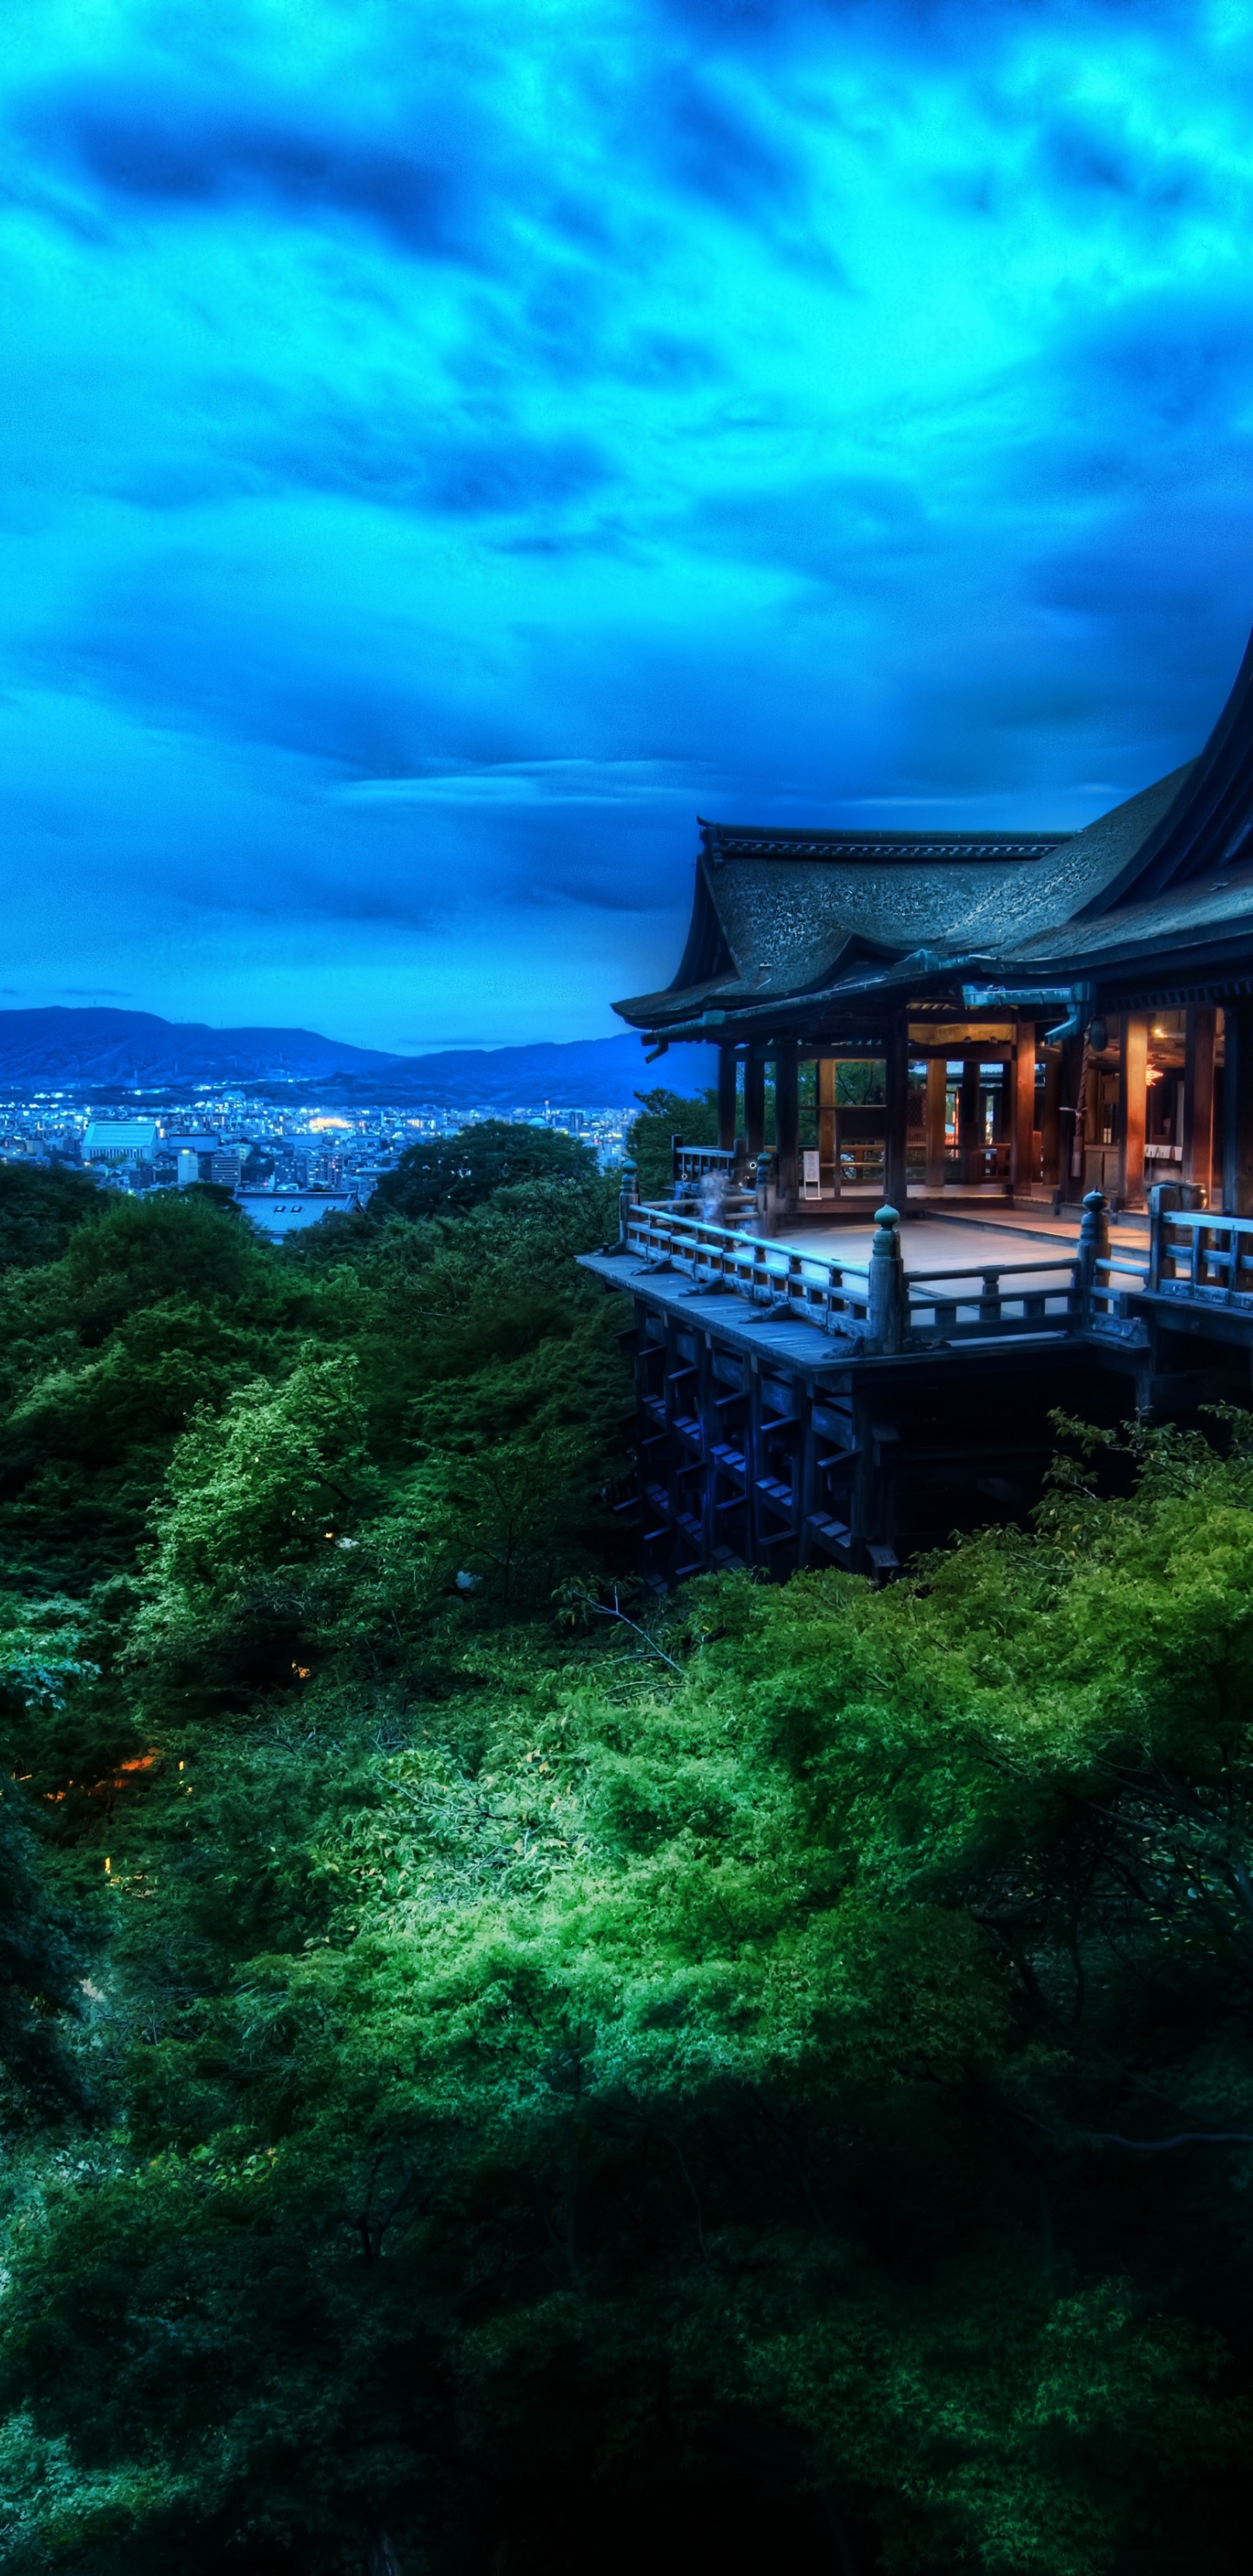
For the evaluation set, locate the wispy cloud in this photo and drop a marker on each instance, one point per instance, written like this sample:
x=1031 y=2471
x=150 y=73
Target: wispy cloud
x=511 y=784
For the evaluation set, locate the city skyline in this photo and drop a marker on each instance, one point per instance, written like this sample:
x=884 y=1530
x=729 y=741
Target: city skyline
x=446 y=455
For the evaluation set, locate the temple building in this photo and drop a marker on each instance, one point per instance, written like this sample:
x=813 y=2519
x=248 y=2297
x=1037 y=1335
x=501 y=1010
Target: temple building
x=985 y=1108
x=1107 y=972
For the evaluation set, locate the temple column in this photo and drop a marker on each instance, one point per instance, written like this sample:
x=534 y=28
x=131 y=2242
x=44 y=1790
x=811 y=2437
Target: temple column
x=1200 y=1044
x=937 y=1104
x=896 y=1111
x=1022 y=1108
x=1074 y=1103
x=969 y=1134
x=754 y=1101
x=1094 y=1120
x=726 y=1099
x=828 y=1124
x=1238 y=1108
x=1051 y=1171
x=787 y=1129
x=1132 y=1107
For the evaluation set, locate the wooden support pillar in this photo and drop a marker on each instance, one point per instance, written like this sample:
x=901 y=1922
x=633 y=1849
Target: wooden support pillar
x=711 y=1434
x=828 y=1125
x=1197 y=1140
x=969 y=1131
x=754 y=1102
x=896 y=1111
x=1073 y=1111
x=1238 y=1108
x=934 y=1115
x=1022 y=1109
x=726 y=1099
x=1132 y=1107
x=787 y=1121
x=1051 y=1146
x=807 y=1496
x=675 y=1450
x=1095 y=1083
x=873 y=1501
x=755 y=1467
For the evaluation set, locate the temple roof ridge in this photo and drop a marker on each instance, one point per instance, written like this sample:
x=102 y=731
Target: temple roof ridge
x=845 y=843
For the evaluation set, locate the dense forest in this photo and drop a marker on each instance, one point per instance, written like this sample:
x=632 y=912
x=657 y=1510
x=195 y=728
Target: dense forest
x=507 y=2076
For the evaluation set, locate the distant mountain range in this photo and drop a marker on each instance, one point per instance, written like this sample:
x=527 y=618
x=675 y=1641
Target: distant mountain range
x=135 y=1046
x=584 y=1073
x=103 y=1049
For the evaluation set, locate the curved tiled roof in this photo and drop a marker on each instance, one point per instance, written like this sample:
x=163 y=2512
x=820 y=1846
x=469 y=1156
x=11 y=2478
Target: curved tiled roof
x=781 y=914
x=1183 y=916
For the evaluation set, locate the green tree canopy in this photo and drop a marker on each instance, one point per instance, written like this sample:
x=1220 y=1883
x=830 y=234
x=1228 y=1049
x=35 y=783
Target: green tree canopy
x=445 y=1175
x=502 y=2072
x=781 y=2071
x=663 y=1115
x=40 y=1209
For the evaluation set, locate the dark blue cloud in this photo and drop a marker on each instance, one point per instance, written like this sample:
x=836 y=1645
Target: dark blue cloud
x=722 y=153
x=904 y=29
x=418 y=465
x=166 y=150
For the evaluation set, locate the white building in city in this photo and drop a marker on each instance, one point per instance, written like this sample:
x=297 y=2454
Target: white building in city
x=279 y=1213
x=120 y=1140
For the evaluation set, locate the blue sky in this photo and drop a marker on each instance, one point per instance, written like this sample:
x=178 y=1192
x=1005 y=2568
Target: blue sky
x=446 y=449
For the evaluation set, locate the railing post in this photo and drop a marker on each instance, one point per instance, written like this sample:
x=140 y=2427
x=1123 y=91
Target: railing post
x=1093 y=1247
x=628 y=1198
x=1163 y=1195
x=886 y=1304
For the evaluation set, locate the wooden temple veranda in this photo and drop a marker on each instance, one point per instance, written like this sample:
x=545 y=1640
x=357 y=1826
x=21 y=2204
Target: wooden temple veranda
x=1029 y=1066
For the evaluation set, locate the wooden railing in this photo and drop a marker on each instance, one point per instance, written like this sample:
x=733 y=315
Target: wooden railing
x=1198 y=1255
x=861 y=1158
x=948 y=1305
x=885 y=1308
x=696 y=1163
x=1194 y=1256
x=769 y=1275
x=1115 y=1280
x=878 y=1305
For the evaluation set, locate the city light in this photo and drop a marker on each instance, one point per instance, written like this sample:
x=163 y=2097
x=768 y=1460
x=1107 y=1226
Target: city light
x=287 y=1162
